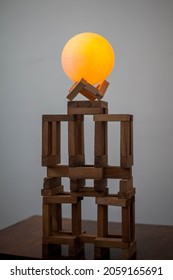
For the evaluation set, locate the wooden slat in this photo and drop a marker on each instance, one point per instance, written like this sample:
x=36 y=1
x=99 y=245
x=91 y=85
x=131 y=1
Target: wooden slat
x=117 y=172
x=56 y=217
x=126 y=223
x=86 y=104
x=102 y=89
x=84 y=111
x=46 y=220
x=50 y=183
x=76 y=88
x=59 y=199
x=57 y=118
x=129 y=252
x=111 y=200
x=126 y=184
x=58 y=171
x=53 y=191
x=102 y=220
x=60 y=239
x=85 y=173
x=89 y=192
x=87 y=238
x=113 y=118
x=76 y=184
x=76 y=218
x=110 y=242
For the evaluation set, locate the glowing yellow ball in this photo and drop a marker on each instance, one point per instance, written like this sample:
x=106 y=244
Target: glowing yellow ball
x=88 y=56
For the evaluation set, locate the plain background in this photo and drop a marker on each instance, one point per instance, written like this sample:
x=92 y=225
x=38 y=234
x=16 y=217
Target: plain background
x=32 y=83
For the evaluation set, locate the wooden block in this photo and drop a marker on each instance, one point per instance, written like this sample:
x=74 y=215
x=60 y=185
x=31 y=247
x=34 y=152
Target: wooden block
x=89 y=192
x=128 y=194
x=89 y=91
x=126 y=224
x=58 y=171
x=76 y=138
x=102 y=220
x=87 y=238
x=61 y=239
x=76 y=88
x=57 y=118
x=76 y=218
x=85 y=173
x=110 y=242
x=102 y=89
x=53 y=191
x=46 y=222
x=75 y=185
x=126 y=144
x=55 y=199
x=51 y=160
x=86 y=104
x=117 y=172
x=130 y=251
x=100 y=147
x=113 y=118
x=132 y=219
x=126 y=161
x=46 y=138
x=100 y=185
x=111 y=200
x=100 y=161
x=56 y=217
x=56 y=138
x=50 y=183
x=50 y=143
x=85 y=111
x=125 y=185
x=76 y=160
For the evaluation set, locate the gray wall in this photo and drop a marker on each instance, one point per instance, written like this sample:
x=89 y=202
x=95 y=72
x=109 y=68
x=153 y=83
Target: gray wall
x=32 y=83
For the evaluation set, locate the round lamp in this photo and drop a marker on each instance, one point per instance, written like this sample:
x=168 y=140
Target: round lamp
x=88 y=56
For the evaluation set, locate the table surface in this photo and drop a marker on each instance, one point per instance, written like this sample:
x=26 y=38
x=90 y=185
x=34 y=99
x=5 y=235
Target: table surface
x=23 y=241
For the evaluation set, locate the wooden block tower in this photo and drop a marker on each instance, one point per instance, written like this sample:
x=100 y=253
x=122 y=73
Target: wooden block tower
x=77 y=171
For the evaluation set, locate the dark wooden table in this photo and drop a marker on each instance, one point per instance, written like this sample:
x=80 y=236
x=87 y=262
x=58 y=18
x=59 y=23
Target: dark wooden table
x=23 y=241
